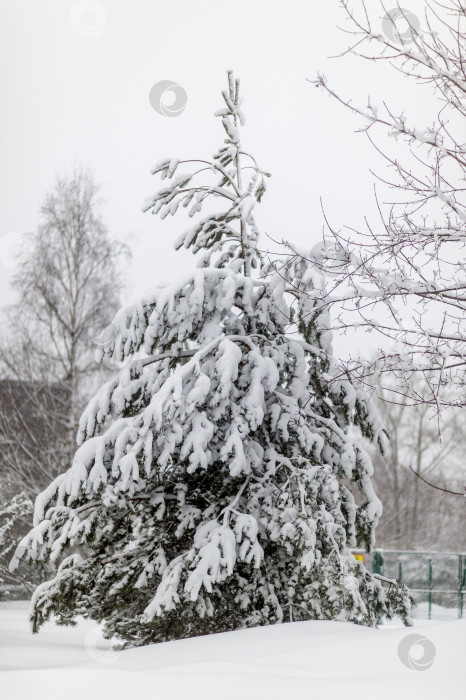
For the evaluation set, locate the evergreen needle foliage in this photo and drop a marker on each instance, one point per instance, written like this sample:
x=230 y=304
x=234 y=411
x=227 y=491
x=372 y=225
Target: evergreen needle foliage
x=218 y=484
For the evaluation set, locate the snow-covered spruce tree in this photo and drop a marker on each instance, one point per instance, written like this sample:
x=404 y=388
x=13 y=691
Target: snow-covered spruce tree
x=213 y=488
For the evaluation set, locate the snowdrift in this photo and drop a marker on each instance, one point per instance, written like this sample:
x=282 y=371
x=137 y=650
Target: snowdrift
x=303 y=659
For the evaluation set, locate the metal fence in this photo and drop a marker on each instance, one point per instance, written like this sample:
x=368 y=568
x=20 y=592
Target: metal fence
x=437 y=580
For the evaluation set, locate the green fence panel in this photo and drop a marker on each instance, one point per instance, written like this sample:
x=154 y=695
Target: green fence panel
x=437 y=580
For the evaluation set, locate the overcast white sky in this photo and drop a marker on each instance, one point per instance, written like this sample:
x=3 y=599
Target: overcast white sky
x=75 y=87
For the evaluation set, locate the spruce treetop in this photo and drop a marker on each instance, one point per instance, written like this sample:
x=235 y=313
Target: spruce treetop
x=239 y=181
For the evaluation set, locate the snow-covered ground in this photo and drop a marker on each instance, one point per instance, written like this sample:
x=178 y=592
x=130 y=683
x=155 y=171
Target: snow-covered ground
x=317 y=660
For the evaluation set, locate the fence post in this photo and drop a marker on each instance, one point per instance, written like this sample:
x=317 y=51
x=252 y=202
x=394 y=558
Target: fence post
x=462 y=582
x=429 y=615
x=378 y=562
x=377 y=568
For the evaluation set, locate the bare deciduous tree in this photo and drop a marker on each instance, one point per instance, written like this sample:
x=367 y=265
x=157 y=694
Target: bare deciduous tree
x=415 y=515
x=406 y=279
x=68 y=282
